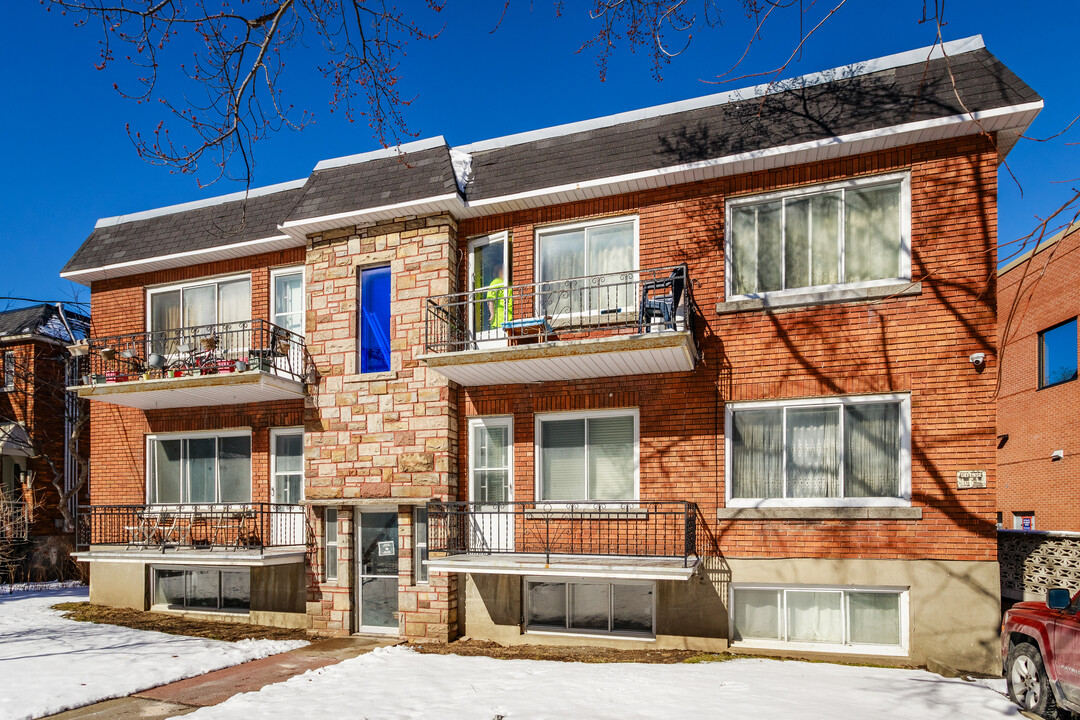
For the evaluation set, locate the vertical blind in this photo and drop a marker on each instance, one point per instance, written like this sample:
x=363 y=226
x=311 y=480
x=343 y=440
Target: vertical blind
x=796 y=452
x=797 y=241
x=587 y=458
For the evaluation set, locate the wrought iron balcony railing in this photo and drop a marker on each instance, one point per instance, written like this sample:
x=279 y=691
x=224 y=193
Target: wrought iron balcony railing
x=643 y=529
x=236 y=526
x=249 y=345
x=631 y=302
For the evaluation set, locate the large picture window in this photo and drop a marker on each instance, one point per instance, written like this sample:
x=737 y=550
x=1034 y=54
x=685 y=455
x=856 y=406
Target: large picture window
x=591 y=607
x=225 y=300
x=569 y=252
x=845 y=233
x=201 y=469
x=588 y=456
x=819 y=451
x=375 y=320
x=871 y=620
x=203 y=588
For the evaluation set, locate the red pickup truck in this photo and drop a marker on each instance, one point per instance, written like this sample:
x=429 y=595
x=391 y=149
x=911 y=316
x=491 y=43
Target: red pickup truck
x=1040 y=643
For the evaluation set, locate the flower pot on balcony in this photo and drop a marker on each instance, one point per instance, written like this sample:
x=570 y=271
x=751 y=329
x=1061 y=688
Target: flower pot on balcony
x=225 y=366
x=115 y=376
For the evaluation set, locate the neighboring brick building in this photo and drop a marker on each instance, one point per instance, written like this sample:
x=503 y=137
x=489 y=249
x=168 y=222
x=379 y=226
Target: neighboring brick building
x=691 y=376
x=36 y=419
x=1038 y=410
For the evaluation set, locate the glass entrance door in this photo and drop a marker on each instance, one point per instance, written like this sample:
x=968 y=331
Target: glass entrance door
x=378 y=572
x=492 y=302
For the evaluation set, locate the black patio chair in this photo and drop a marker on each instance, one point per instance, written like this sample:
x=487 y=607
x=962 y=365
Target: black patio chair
x=662 y=306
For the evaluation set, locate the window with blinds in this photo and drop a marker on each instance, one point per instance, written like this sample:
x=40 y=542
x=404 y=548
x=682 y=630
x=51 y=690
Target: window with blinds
x=588 y=457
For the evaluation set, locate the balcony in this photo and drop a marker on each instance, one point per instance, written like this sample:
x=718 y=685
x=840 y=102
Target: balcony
x=628 y=323
x=223 y=364
x=208 y=530
x=633 y=540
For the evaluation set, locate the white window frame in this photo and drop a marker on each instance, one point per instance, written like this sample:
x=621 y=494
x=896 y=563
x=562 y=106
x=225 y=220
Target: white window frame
x=10 y=364
x=275 y=273
x=201 y=282
x=543 y=230
x=587 y=633
x=485 y=421
x=904 y=499
x=418 y=564
x=503 y=237
x=157 y=607
x=585 y=415
x=900 y=650
x=274 y=434
x=858 y=183
x=150 y=438
x=328 y=574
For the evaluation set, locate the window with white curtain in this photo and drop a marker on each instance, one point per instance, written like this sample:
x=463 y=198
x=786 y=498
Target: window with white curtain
x=207 y=302
x=199 y=469
x=598 y=248
x=846 y=450
x=869 y=620
x=842 y=233
x=287 y=298
x=588 y=456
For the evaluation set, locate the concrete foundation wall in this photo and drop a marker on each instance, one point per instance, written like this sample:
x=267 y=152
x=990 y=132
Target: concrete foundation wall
x=954 y=607
x=122 y=585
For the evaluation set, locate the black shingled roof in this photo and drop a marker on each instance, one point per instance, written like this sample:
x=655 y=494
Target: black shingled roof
x=375 y=183
x=227 y=223
x=42 y=319
x=842 y=106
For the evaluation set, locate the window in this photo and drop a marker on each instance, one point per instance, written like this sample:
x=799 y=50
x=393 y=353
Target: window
x=203 y=588
x=9 y=370
x=375 y=320
x=200 y=468
x=491 y=464
x=853 y=232
x=227 y=300
x=870 y=620
x=588 y=456
x=287 y=486
x=1057 y=354
x=1023 y=521
x=420 y=544
x=584 y=249
x=819 y=451
x=287 y=300
x=330 y=544
x=592 y=607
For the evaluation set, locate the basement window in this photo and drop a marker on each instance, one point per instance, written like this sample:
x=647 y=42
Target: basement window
x=591 y=607
x=203 y=589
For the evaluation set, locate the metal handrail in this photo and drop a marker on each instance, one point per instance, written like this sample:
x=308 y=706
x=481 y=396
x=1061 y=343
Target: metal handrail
x=632 y=301
x=238 y=526
x=247 y=345
x=640 y=528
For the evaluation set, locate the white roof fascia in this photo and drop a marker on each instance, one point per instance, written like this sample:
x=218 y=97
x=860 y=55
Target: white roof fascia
x=393 y=151
x=197 y=204
x=203 y=255
x=909 y=57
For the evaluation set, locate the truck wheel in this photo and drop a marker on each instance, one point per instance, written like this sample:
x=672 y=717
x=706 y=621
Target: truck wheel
x=1029 y=687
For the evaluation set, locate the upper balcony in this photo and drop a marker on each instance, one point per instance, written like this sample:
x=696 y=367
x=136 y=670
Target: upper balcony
x=223 y=364
x=626 y=323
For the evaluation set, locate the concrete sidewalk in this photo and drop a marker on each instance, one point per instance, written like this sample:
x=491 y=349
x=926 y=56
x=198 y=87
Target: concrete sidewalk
x=185 y=696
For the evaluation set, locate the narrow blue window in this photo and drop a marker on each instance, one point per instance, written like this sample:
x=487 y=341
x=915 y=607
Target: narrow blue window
x=375 y=320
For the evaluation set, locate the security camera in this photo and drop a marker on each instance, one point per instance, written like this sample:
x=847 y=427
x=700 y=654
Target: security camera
x=977 y=359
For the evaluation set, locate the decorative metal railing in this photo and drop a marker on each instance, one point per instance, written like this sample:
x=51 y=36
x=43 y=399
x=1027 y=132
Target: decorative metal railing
x=651 y=529
x=249 y=345
x=14 y=520
x=628 y=302
x=237 y=526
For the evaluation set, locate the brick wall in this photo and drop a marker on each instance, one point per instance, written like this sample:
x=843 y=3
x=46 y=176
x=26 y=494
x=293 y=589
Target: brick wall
x=914 y=344
x=1038 y=422
x=383 y=437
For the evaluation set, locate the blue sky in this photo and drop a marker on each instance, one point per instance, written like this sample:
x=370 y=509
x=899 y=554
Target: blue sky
x=68 y=160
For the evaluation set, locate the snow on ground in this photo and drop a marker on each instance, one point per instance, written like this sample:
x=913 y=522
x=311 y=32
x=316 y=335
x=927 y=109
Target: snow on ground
x=397 y=684
x=49 y=664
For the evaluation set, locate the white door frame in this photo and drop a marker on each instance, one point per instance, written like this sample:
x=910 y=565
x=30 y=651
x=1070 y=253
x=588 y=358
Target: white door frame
x=488 y=338
x=357 y=561
x=293 y=525
x=492 y=531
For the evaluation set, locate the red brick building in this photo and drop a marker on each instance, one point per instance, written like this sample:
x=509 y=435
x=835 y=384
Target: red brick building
x=1039 y=402
x=690 y=376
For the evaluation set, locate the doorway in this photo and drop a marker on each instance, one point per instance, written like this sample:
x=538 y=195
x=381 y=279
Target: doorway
x=377 y=572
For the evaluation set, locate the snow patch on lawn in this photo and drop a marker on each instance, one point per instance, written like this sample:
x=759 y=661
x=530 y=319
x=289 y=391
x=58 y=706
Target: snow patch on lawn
x=49 y=664
x=400 y=684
